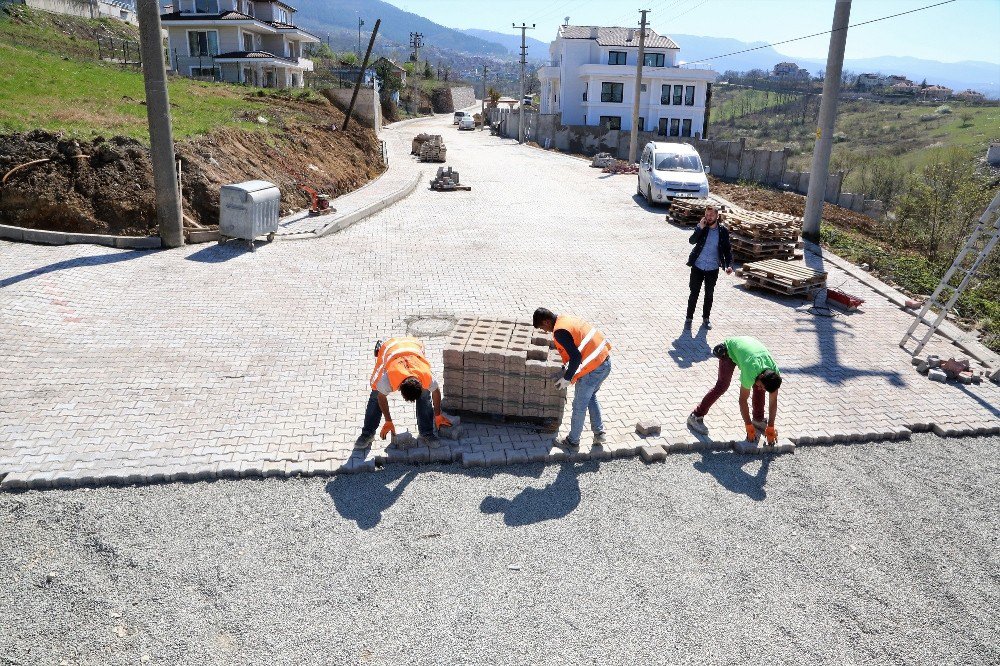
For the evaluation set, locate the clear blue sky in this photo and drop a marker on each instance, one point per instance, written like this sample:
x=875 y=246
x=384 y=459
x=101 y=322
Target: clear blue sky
x=962 y=30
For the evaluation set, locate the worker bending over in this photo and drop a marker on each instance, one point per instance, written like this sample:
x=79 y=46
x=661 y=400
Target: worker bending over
x=758 y=373
x=400 y=365
x=586 y=356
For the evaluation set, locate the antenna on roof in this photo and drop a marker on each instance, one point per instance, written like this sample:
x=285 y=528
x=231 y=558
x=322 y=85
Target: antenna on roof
x=566 y=21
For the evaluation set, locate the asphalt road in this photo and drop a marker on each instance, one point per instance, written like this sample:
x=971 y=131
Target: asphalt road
x=883 y=553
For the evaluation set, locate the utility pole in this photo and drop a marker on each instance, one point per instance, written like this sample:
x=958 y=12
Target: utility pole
x=482 y=113
x=524 y=54
x=827 y=116
x=416 y=41
x=361 y=76
x=361 y=22
x=633 y=142
x=161 y=141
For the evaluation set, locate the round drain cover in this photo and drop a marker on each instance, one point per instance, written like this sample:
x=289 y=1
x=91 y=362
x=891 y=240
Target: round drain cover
x=429 y=327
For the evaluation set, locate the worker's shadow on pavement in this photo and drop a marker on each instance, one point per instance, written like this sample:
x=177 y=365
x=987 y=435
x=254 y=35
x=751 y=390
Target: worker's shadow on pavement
x=690 y=348
x=534 y=505
x=363 y=497
x=727 y=468
x=78 y=262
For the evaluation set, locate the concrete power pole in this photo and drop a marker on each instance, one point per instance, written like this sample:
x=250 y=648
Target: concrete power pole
x=827 y=116
x=633 y=143
x=524 y=54
x=482 y=112
x=416 y=41
x=161 y=141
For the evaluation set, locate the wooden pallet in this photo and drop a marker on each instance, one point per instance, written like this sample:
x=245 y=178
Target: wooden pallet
x=782 y=276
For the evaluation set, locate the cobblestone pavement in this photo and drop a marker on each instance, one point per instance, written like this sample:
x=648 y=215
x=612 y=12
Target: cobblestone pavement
x=212 y=361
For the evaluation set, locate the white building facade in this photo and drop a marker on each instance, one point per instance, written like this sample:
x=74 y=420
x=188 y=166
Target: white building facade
x=238 y=41
x=591 y=81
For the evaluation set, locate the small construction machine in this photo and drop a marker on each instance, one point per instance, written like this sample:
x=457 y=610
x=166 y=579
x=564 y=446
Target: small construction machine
x=319 y=203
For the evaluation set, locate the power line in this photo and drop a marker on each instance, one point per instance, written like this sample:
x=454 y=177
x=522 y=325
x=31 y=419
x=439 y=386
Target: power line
x=687 y=11
x=825 y=32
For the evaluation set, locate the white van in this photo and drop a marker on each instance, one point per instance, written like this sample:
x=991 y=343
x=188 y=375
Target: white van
x=668 y=170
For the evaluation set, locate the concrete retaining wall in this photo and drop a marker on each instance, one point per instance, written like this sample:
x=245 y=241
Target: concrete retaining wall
x=90 y=9
x=365 y=108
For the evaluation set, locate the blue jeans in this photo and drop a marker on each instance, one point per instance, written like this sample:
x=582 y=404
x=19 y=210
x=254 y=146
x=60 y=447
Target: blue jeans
x=425 y=415
x=585 y=399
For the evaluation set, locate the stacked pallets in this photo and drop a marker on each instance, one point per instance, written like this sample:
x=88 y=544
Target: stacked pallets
x=447 y=180
x=688 y=212
x=503 y=370
x=433 y=149
x=763 y=235
x=783 y=277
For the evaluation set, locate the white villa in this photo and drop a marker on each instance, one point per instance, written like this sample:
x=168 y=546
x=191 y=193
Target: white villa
x=238 y=41
x=591 y=81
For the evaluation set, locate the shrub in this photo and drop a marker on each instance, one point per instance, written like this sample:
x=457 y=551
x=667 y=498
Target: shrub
x=943 y=110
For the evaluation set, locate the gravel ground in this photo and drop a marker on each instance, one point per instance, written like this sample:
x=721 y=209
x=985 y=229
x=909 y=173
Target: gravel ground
x=881 y=553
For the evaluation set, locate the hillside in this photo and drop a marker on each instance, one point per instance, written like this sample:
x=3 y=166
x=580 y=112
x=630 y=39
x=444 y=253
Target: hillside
x=537 y=49
x=341 y=17
x=86 y=121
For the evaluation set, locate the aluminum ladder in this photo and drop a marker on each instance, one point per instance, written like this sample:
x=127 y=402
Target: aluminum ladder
x=977 y=248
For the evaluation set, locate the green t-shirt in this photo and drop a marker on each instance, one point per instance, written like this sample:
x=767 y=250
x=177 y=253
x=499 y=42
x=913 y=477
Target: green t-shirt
x=751 y=357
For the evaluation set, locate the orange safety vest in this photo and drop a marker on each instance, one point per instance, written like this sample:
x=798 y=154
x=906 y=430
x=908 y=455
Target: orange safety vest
x=594 y=348
x=401 y=358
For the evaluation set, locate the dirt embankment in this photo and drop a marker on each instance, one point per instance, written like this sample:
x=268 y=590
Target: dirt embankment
x=105 y=186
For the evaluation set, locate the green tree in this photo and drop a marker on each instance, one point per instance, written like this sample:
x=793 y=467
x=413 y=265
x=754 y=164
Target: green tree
x=428 y=72
x=389 y=80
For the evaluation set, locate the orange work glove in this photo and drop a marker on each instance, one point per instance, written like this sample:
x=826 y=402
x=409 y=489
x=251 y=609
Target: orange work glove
x=441 y=421
x=387 y=428
x=771 y=434
x=751 y=432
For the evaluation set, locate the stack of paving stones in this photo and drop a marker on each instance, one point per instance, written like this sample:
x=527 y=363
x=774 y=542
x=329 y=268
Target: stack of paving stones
x=688 y=212
x=418 y=141
x=447 y=180
x=763 y=235
x=433 y=149
x=503 y=369
x=959 y=369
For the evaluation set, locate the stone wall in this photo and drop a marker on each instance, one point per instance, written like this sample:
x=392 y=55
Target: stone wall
x=463 y=97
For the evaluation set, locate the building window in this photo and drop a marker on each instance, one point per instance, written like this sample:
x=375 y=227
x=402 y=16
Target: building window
x=686 y=127
x=205 y=72
x=675 y=127
x=652 y=60
x=612 y=92
x=203 y=43
x=642 y=87
x=678 y=94
x=665 y=95
x=616 y=57
x=247 y=41
x=688 y=95
x=662 y=129
x=611 y=122
x=206 y=6
x=642 y=124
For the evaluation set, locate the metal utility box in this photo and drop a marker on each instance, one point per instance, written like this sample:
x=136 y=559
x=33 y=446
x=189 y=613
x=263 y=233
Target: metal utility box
x=248 y=210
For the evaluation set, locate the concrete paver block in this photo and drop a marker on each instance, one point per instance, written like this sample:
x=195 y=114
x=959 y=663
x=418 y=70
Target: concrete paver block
x=647 y=428
x=418 y=454
x=516 y=456
x=491 y=458
x=652 y=453
x=404 y=440
x=936 y=375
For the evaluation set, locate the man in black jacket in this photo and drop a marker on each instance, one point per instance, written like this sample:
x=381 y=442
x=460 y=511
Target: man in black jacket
x=711 y=252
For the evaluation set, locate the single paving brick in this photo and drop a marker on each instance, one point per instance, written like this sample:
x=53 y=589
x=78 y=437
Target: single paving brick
x=647 y=428
x=473 y=459
x=652 y=453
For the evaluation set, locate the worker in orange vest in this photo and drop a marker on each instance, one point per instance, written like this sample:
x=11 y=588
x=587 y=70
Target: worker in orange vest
x=587 y=363
x=400 y=365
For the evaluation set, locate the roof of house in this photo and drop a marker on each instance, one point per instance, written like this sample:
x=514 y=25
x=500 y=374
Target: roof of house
x=393 y=64
x=616 y=36
x=230 y=16
x=250 y=55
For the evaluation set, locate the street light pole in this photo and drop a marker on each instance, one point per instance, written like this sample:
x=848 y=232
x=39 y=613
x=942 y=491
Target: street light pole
x=169 y=215
x=820 y=170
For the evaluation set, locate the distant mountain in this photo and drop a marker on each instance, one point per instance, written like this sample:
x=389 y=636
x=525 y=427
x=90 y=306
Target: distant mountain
x=337 y=16
x=537 y=49
x=981 y=76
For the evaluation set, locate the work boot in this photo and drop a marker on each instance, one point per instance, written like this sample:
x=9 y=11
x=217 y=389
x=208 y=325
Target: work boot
x=364 y=441
x=697 y=424
x=566 y=444
x=600 y=438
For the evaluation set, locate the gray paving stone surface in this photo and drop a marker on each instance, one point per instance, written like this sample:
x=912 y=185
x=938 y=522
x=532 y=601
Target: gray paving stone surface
x=191 y=363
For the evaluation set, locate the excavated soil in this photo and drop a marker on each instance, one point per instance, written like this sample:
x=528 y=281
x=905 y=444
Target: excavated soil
x=105 y=186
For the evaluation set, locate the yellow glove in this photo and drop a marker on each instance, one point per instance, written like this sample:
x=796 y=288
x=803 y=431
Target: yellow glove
x=441 y=421
x=771 y=434
x=751 y=432
x=387 y=428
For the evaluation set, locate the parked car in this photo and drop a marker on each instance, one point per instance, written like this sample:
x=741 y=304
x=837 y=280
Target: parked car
x=467 y=123
x=668 y=170
x=458 y=117
x=526 y=100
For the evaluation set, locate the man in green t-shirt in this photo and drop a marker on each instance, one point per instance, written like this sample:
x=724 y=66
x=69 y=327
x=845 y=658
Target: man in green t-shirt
x=758 y=373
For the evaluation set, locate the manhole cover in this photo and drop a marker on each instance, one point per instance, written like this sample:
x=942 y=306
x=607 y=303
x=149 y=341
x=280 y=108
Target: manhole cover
x=429 y=327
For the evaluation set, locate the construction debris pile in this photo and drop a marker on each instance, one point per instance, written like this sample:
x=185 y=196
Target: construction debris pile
x=954 y=369
x=602 y=160
x=447 y=180
x=783 y=277
x=431 y=148
x=688 y=212
x=621 y=167
x=763 y=235
x=502 y=368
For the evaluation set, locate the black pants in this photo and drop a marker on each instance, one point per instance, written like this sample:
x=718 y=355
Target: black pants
x=709 y=278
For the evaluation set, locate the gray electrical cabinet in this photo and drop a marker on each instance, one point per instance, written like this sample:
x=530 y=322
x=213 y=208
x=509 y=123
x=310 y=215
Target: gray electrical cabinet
x=249 y=210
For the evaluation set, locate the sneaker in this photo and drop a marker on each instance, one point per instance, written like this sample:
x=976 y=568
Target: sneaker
x=697 y=424
x=566 y=444
x=707 y=324
x=364 y=441
x=430 y=441
x=600 y=438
